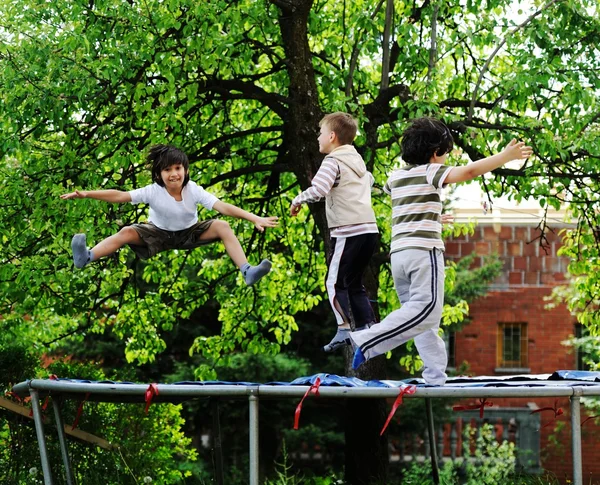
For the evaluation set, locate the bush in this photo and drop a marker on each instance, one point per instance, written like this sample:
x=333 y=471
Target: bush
x=147 y=448
x=491 y=463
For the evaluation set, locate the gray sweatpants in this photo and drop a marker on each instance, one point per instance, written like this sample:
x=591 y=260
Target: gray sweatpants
x=419 y=280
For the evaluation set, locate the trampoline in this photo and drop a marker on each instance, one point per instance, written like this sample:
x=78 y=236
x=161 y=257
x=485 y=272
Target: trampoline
x=571 y=384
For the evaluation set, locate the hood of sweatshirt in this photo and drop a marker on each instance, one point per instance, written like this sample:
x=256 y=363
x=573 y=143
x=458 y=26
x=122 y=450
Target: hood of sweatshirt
x=348 y=155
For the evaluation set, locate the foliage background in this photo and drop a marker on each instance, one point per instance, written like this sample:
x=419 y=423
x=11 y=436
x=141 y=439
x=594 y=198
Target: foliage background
x=87 y=87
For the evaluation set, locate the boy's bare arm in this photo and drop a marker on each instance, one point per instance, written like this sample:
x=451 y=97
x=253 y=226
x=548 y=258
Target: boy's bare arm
x=111 y=195
x=514 y=151
x=231 y=210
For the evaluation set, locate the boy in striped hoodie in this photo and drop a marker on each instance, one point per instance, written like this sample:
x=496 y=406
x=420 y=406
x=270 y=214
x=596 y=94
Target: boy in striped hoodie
x=417 y=247
x=345 y=183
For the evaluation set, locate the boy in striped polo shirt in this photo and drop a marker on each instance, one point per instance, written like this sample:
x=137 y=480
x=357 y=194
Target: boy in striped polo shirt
x=417 y=247
x=345 y=183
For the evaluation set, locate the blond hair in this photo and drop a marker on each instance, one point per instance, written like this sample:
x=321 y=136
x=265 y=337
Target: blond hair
x=342 y=124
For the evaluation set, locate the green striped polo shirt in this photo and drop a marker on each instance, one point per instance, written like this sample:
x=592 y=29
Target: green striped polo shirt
x=417 y=206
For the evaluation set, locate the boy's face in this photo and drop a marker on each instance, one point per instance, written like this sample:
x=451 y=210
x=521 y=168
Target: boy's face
x=173 y=176
x=326 y=139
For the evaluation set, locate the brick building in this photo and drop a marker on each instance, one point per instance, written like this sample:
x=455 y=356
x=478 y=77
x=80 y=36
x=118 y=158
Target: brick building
x=512 y=329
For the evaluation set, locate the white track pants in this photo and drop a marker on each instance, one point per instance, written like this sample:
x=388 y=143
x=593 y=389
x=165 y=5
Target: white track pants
x=419 y=281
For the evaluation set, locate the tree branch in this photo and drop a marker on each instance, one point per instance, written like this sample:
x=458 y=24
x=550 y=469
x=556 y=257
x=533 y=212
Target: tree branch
x=356 y=52
x=433 y=47
x=277 y=168
x=497 y=49
x=238 y=134
x=462 y=103
x=385 y=61
x=274 y=101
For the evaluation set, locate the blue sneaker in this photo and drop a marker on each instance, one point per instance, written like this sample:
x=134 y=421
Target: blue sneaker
x=359 y=358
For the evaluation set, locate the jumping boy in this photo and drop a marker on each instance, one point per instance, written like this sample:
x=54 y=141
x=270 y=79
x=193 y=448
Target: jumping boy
x=173 y=218
x=345 y=183
x=417 y=247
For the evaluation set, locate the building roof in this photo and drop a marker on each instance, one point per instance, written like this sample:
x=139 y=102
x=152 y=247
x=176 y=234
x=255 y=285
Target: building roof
x=470 y=203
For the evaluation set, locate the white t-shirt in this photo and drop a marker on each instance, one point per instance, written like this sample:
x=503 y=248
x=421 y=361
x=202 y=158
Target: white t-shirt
x=169 y=214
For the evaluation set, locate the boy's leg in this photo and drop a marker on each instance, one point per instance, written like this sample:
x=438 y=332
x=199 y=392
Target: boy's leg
x=432 y=350
x=424 y=271
x=349 y=258
x=357 y=263
x=336 y=294
x=82 y=255
x=222 y=230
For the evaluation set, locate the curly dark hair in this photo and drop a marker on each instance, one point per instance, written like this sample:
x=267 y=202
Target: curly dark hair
x=163 y=156
x=423 y=138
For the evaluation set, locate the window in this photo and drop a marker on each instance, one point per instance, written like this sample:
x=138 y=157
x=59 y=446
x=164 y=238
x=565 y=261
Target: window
x=512 y=347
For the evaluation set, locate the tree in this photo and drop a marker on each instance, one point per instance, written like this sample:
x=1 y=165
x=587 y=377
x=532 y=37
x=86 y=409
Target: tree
x=240 y=86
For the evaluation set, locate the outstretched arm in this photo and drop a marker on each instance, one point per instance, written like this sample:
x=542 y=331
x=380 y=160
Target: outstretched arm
x=514 y=151
x=110 y=195
x=231 y=210
x=320 y=186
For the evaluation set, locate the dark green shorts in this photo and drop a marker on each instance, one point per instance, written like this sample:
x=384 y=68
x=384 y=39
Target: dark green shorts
x=157 y=240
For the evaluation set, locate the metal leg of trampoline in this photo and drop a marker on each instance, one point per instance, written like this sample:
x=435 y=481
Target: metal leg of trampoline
x=39 y=430
x=217 y=443
x=431 y=428
x=64 y=449
x=576 y=438
x=253 y=399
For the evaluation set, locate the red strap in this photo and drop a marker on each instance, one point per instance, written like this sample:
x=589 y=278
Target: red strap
x=556 y=410
x=80 y=410
x=52 y=377
x=15 y=396
x=314 y=388
x=482 y=403
x=403 y=390
x=150 y=393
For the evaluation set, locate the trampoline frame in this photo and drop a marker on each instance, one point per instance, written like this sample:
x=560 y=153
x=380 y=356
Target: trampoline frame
x=135 y=393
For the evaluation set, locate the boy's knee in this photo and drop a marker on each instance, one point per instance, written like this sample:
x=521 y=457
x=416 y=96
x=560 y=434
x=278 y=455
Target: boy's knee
x=222 y=227
x=128 y=233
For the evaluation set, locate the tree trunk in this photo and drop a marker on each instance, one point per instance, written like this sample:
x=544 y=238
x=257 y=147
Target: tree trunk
x=366 y=451
x=366 y=454
x=301 y=128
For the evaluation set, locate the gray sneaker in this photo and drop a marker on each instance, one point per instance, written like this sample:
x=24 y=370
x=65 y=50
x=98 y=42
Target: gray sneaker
x=340 y=340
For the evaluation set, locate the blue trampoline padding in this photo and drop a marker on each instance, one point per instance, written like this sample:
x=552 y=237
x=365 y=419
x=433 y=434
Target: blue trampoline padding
x=330 y=380
x=218 y=383
x=526 y=380
x=575 y=375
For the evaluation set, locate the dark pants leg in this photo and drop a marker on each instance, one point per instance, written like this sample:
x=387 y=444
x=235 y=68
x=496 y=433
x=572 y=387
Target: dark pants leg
x=348 y=261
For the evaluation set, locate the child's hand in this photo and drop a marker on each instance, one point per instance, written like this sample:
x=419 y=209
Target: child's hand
x=517 y=150
x=294 y=209
x=262 y=222
x=78 y=194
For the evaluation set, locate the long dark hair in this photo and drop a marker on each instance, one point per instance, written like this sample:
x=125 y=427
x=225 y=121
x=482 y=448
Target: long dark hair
x=163 y=156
